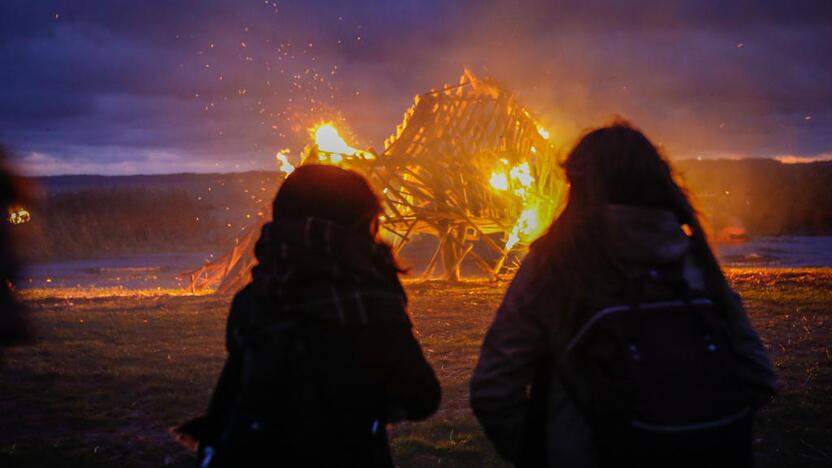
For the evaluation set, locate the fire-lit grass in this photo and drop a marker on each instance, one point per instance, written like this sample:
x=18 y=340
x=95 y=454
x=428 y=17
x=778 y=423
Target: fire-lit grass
x=35 y=294
x=112 y=371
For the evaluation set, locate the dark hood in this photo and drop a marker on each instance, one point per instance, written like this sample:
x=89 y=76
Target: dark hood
x=644 y=235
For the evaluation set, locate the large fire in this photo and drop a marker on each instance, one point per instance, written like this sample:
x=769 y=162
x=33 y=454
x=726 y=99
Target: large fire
x=515 y=180
x=467 y=163
x=459 y=171
x=19 y=216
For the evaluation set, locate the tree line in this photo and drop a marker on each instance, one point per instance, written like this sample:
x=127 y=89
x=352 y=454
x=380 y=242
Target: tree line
x=102 y=216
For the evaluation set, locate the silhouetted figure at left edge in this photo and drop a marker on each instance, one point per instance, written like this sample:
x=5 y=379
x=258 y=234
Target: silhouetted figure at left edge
x=13 y=327
x=321 y=355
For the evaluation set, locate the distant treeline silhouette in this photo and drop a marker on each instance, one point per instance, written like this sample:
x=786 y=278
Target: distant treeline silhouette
x=89 y=216
x=765 y=197
x=113 y=221
x=99 y=216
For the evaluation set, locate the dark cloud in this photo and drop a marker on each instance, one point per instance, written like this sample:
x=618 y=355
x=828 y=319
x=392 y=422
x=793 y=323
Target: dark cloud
x=118 y=86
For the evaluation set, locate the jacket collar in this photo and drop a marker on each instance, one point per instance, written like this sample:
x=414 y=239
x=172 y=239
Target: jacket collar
x=644 y=235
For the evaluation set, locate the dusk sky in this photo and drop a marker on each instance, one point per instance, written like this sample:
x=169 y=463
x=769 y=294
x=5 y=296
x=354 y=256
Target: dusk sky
x=130 y=87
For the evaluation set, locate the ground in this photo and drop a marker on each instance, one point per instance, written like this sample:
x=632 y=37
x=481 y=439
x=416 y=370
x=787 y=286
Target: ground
x=111 y=372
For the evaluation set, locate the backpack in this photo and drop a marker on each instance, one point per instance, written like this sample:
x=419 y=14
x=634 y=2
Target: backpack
x=656 y=378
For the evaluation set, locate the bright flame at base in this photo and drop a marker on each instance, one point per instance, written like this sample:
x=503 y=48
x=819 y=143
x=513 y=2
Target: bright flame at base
x=527 y=227
x=536 y=213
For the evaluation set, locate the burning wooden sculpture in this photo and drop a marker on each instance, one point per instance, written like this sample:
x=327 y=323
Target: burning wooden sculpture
x=468 y=165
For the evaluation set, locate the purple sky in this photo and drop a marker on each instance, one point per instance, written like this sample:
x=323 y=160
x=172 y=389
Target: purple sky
x=118 y=87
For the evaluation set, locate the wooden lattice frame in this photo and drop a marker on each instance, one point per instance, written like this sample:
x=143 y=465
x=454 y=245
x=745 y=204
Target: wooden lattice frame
x=433 y=177
x=434 y=171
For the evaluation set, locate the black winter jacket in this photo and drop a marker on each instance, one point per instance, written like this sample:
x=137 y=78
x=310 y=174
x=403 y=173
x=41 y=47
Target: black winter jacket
x=361 y=369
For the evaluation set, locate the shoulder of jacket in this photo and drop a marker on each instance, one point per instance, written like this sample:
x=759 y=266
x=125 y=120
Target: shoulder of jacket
x=241 y=312
x=241 y=300
x=530 y=286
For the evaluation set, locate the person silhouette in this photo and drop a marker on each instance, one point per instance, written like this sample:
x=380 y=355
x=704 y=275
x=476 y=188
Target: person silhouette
x=321 y=355
x=619 y=340
x=14 y=327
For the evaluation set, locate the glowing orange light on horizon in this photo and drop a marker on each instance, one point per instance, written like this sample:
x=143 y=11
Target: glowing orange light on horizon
x=19 y=216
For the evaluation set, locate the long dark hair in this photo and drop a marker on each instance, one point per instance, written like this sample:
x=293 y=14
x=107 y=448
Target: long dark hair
x=615 y=164
x=335 y=194
x=331 y=193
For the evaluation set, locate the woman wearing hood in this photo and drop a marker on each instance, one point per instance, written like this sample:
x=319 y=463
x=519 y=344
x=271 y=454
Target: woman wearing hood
x=321 y=353
x=619 y=341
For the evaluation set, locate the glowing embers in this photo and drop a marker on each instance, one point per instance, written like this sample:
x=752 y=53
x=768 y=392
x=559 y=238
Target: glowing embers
x=19 y=216
x=332 y=148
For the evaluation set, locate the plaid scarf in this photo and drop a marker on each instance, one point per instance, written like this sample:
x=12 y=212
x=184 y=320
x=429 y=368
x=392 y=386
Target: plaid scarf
x=315 y=266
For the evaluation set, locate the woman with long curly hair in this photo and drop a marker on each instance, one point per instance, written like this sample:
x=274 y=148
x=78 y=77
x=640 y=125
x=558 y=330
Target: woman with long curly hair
x=619 y=340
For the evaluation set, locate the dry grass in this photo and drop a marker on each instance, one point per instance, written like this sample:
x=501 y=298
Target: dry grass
x=36 y=294
x=113 y=370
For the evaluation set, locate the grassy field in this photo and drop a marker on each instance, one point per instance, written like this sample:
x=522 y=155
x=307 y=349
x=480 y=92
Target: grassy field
x=110 y=374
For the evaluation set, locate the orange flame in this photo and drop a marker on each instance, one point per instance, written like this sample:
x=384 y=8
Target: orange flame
x=332 y=148
x=518 y=180
x=19 y=216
